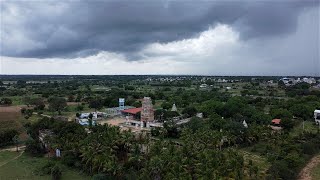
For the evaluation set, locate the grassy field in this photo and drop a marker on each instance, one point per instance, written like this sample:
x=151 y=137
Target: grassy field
x=257 y=160
x=309 y=126
x=315 y=173
x=25 y=167
x=18 y=100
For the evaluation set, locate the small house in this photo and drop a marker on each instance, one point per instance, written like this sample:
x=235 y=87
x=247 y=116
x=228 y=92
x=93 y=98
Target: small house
x=276 y=122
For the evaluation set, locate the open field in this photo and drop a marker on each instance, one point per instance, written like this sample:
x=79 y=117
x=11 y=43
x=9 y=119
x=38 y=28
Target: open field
x=120 y=121
x=309 y=126
x=257 y=160
x=9 y=120
x=115 y=121
x=18 y=100
x=25 y=167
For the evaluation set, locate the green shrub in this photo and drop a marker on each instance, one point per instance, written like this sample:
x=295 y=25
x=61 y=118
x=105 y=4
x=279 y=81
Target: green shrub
x=309 y=148
x=46 y=168
x=6 y=136
x=99 y=177
x=56 y=172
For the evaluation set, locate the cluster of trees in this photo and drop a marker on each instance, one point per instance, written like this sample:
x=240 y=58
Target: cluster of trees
x=57 y=104
x=237 y=109
x=287 y=154
x=7 y=136
x=300 y=89
x=5 y=101
x=121 y=154
x=38 y=103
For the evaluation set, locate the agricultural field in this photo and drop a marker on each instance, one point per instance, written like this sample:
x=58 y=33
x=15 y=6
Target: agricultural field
x=9 y=120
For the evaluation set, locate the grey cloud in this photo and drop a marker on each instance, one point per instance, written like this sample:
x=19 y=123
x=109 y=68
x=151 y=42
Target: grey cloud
x=75 y=29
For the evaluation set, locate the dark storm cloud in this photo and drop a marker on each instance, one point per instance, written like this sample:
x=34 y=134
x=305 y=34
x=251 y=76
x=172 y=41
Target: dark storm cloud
x=77 y=28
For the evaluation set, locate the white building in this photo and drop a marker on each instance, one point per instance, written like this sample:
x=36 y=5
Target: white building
x=309 y=80
x=317 y=116
x=203 y=86
x=245 y=124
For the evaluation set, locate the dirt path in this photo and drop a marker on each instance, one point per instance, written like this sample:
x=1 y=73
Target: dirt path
x=13 y=109
x=20 y=148
x=6 y=162
x=43 y=115
x=305 y=173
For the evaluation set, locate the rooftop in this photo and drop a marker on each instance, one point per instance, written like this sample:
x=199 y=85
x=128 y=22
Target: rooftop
x=132 y=110
x=276 y=121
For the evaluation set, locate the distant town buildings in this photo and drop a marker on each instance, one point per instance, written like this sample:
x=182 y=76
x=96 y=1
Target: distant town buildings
x=293 y=81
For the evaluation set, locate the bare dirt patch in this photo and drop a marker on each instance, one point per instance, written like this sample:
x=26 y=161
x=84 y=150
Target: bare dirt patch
x=10 y=119
x=10 y=109
x=73 y=103
x=116 y=121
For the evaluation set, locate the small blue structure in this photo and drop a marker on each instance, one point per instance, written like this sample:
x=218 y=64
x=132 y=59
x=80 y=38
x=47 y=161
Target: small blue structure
x=121 y=103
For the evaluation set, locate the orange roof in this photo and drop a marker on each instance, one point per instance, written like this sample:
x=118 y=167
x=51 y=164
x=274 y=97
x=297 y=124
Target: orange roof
x=132 y=110
x=276 y=121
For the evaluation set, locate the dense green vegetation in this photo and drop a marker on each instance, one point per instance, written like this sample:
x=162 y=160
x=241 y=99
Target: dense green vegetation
x=213 y=147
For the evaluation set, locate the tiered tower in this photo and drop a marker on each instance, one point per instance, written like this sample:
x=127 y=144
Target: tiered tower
x=147 y=113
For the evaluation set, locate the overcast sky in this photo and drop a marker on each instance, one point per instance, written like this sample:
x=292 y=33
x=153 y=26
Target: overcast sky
x=224 y=37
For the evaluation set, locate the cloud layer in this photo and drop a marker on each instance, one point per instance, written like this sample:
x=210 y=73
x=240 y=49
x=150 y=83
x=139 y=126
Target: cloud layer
x=79 y=28
x=161 y=37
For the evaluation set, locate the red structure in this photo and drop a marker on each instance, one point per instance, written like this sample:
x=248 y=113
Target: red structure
x=132 y=111
x=276 y=121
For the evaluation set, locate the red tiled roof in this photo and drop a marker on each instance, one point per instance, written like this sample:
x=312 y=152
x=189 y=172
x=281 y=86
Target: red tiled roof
x=276 y=121
x=132 y=110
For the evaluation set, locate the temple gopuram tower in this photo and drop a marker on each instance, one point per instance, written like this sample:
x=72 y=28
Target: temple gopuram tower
x=147 y=112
